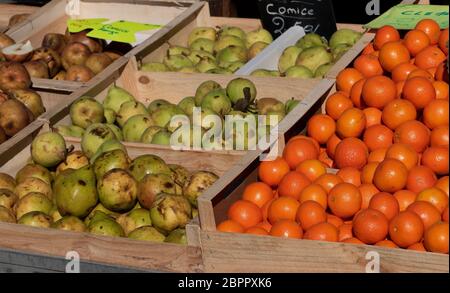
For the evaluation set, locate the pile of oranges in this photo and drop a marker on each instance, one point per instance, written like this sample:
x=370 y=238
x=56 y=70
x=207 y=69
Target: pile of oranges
x=386 y=130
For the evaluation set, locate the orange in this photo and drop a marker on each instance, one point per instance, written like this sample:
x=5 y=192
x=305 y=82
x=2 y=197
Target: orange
x=393 y=54
x=299 y=150
x=351 y=123
x=417 y=247
x=271 y=172
x=344 y=200
x=378 y=137
x=230 y=226
x=312 y=169
x=413 y=133
x=256 y=231
x=401 y=71
x=334 y=220
x=246 y=213
x=292 y=184
x=421 y=73
x=420 y=178
x=336 y=104
x=432 y=71
x=441 y=88
x=352 y=240
x=351 y=152
x=350 y=175
x=384 y=35
x=435 y=196
x=326 y=160
x=310 y=213
x=314 y=192
x=328 y=181
x=373 y=116
x=398 y=111
x=313 y=141
x=436 y=238
x=368 y=65
x=436 y=114
x=439 y=136
x=265 y=225
x=367 y=192
x=378 y=91
x=419 y=91
x=441 y=72
x=321 y=127
x=443 y=41
x=405 y=198
x=370 y=226
x=283 y=208
x=436 y=158
x=415 y=41
x=442 y=184
x=377 y=156
x=404 y=153
x=386 y=243
x=322 y=232
x=265 y=208
x=445 y=215
x=367 y=173
x=332 y=143
x=399 y=85
x=368 y=49
x=386 y=203
x=287 y=229
x=258 y=193
x=347 y=78
x=426 y=211
x=390 y=176
x=406 y=229
x=430 y=28
x=356 y=94
x=429 y=57
x=345 y=231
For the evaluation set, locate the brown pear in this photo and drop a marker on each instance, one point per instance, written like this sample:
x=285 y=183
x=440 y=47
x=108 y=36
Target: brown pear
x=13 y=75
x=37 y=69
x=97 y=62
x=31 y=99
x=79 y=73
x=54 y=41
x=75 y=54
x=94 y=45
x=50 y=57
x=13 y=116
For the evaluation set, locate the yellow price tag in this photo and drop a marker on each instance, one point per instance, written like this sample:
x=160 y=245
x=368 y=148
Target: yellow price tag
x=121 y=31
x=78 y=25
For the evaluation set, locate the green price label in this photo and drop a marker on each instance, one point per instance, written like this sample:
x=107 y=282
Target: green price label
x=407 y=16
x=119 y=31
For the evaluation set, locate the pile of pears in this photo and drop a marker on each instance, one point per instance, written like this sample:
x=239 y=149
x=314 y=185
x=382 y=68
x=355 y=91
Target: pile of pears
x=102 y=192
x=208 y=50
x=122 y=117
x=312 y=56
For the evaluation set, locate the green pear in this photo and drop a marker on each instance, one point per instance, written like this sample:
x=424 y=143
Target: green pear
x=70 y=223
x=8 y=198
x=197 y=183
x=299 y=72
x=164 y=115
x=116 y=159
x=241 y=88
x=196 y=56
x=204 y=89
x=344 y=36
x=234 y=66
x=74 y=160
x=162 y=137
x=148 y=164
x=48 y=149
x=176 y=62
x=186 y=105
x=7 y=182
x=116 y=97
x=54 y=214
x=339 y=50
x=33 y=170
x=6 y=215
x=136 y=126
x=85 y=111
x=322 y=70
x=75 y=192
x=177 y=236
x=148 y=134
x=258 y=35
x=32 y=184
x=33 y=202
x=231 y=54
x=117 y=190
x=232 y=31
x=96 y=134
x=153 y=185
x=106 y=227
x=265 y=73
x=179 y=174
x=147 y=233
x=110 y=115
x=227 y=41
x=178 y=50
x=154 y=67
x=314 y=57
x=311 y=40
x=204 y=45
x=169 y=212
x=72 y=130
x=217 y=101
x=205 y=64
x=108 y=146
x=220 y=70
x=36 y=219
x=117 y=131
x=156 y=104
x=134 y=219
x=201 y=33
x=288 y=58
x=291 y=104
x=255 y=49
x=128 y=110
x=191 y=69
x=99 y=212
x=266 y=105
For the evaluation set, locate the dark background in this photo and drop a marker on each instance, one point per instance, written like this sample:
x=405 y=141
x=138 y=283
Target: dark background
x=345 y=11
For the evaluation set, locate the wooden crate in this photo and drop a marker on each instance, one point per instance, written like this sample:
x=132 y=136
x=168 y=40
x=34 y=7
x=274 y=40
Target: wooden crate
x=53 y=17
x=146 y=87
x=108 y=250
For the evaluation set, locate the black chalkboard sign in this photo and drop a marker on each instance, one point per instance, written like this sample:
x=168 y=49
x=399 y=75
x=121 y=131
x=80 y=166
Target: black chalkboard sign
x=313 y=15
